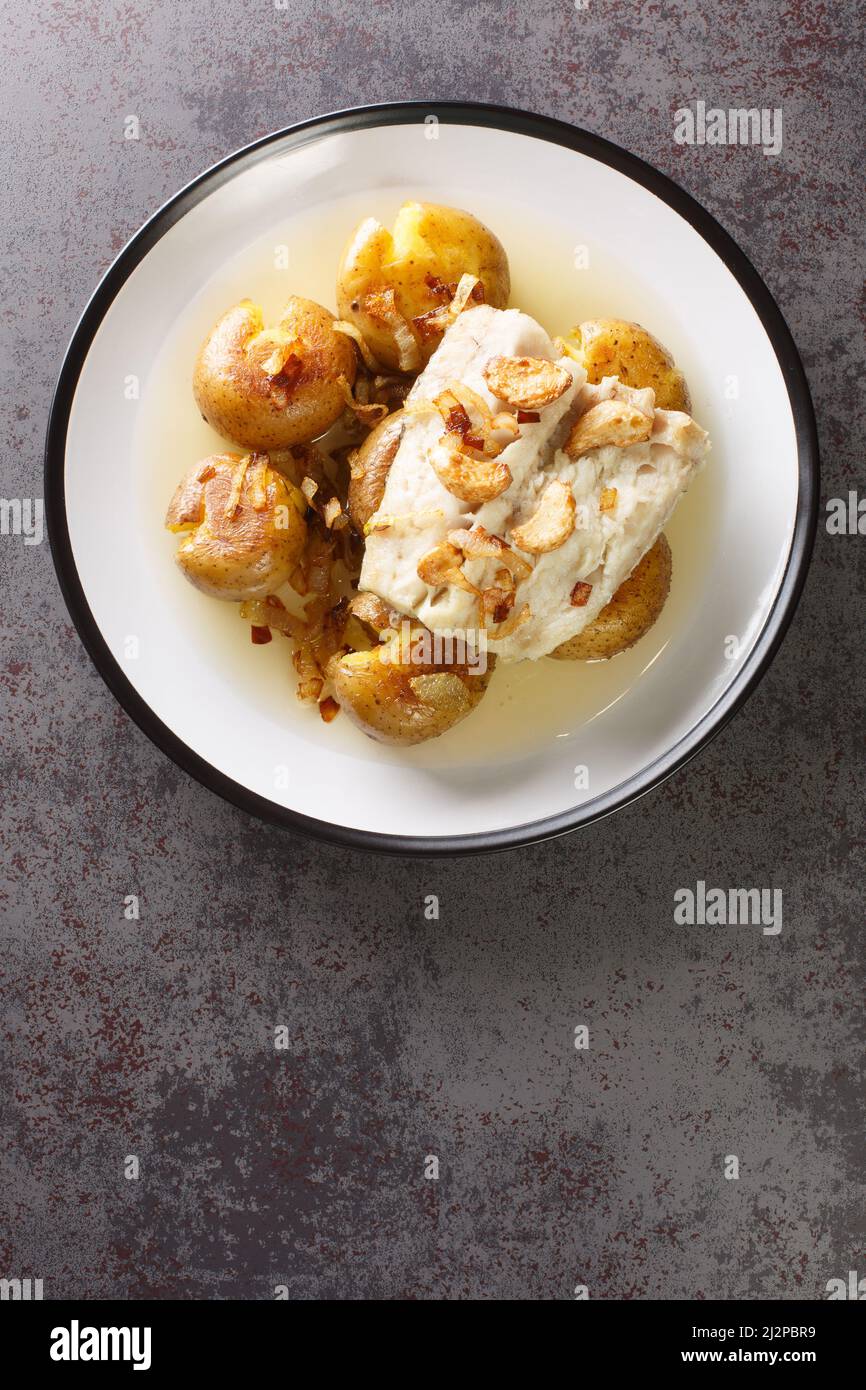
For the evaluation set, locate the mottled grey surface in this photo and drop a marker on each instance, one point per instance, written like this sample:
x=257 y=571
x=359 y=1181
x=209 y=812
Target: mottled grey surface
x=410 y=1037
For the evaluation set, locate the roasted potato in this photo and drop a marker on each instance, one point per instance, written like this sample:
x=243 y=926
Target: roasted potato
x=400 y=703
x=241 y=526
x=613 y=347
x=269 y=388
x=369 y=467
x=629 y=615
x=388 y=281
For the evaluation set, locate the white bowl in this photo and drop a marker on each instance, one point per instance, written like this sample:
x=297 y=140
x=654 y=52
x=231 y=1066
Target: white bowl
x=589 y=230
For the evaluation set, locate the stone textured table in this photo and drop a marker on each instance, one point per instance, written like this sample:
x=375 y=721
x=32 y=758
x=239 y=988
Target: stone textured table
x=408 y=1038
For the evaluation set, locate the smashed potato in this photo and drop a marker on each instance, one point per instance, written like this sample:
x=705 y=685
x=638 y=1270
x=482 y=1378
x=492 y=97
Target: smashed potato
x=395 y=286
x=630 y=614
x=399 y=703
x=270 y=388
x=241 y=525
x=369 y=468
x=614 y=347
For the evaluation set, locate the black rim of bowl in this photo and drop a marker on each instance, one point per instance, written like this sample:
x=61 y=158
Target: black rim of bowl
x=524 y=123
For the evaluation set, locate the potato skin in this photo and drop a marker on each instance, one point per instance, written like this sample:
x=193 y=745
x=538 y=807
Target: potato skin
x=629 y=615
x=255 y=409
x=248 y=554
x=428 y=242
x=369 y=468
x=614 y=347
x=404 y=704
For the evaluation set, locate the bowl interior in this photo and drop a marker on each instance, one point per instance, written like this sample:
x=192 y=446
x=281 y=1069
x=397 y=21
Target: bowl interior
x=583 y=239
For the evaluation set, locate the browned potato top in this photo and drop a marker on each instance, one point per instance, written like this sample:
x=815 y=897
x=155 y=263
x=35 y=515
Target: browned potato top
x=272 y=388
x=400 y=703
x=241 y=526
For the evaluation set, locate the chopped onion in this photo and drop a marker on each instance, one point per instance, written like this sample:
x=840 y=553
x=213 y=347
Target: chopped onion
x=370 y=609
x=368 y=413
x=272 y=613
x=497 y=602
x=382 y=306
x=310 y=689
x=259 y=491
x=351 y=331
x=237 y=486
x=513 y=623
x=465 y=289
x=481 y=544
